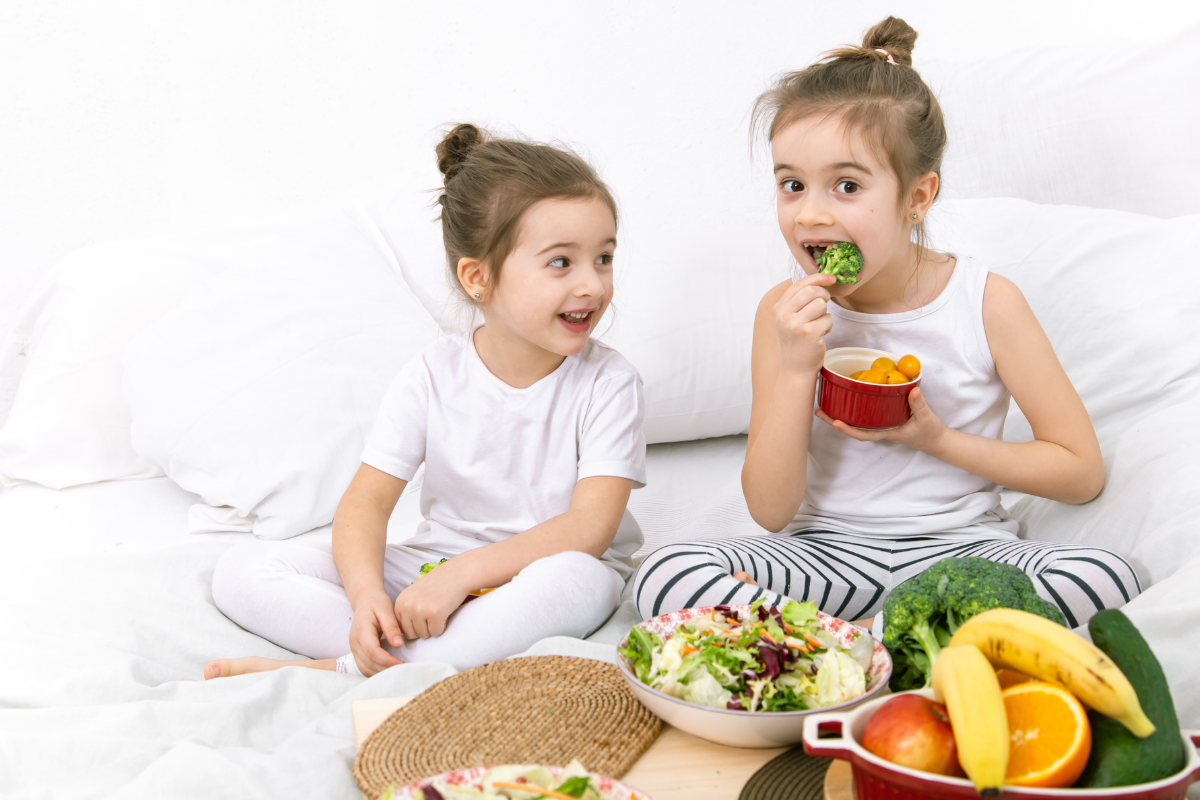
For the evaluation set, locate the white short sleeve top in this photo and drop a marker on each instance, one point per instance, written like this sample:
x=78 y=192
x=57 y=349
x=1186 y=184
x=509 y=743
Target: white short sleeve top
x=500 y=460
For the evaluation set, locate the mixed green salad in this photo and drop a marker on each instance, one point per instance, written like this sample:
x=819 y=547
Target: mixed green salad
x=766 y=659
x=517 y=782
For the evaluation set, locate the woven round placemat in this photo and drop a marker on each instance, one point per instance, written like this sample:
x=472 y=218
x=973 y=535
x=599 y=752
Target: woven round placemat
x=537 y=710
x=794 y=775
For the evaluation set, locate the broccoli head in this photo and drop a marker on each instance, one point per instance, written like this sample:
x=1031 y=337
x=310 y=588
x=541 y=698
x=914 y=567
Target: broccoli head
x=843 y=261
x=921 y=614
x=427 y=567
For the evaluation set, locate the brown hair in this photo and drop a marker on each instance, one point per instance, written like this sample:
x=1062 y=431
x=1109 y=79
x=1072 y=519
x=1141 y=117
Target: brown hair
x=874 y=90
x=491 y=182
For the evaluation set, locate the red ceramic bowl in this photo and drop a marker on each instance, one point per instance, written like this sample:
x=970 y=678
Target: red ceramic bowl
x=873 y=406
x=836 y=735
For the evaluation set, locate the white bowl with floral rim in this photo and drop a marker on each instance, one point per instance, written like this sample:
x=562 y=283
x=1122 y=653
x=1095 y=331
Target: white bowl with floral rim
x=745 y=728
x=473 y=777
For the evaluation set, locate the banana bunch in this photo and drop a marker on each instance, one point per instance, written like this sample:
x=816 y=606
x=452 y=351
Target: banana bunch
x=966 y=684
x=1047 y=651
x=964 y=679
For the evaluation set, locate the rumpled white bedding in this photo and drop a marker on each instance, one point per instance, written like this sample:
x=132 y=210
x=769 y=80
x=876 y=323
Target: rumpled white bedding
x=109 y=620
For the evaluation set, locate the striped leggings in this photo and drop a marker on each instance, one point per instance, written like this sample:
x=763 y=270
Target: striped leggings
x=849 y=576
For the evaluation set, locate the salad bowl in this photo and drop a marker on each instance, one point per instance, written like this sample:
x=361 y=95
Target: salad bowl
x=736 y=728
x=465 y=780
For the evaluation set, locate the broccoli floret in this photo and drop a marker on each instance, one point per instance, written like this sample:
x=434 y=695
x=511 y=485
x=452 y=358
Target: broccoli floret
x=921 y=614
x=427 y=567
x=844 y=261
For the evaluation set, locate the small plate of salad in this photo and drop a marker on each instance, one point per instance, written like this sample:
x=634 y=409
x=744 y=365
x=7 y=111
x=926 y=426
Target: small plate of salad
x=746 y=675
x=517 y=782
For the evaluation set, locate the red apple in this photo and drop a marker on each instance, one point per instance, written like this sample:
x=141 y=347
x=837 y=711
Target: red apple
x=914 y=732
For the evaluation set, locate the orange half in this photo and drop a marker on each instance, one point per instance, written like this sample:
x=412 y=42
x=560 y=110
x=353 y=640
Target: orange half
x=1049 y=735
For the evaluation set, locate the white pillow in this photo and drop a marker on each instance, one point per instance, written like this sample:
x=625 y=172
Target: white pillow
x=258 y=390
x=1102 y=127
x=68 y=423
x=683 y=311
x=1119 y=296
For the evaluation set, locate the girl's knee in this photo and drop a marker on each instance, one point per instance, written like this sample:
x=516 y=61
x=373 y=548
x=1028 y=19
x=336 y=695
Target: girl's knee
x=579 y=571
x=235 y=570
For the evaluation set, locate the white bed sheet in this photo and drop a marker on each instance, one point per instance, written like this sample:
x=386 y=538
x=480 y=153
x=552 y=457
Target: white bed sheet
x=108 y=620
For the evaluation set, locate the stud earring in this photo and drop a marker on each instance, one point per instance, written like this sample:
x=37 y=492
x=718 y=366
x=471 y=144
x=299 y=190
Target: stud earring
x=914 y=216
x=478 y=295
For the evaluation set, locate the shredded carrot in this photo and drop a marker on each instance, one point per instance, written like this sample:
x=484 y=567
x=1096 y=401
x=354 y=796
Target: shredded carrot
x=688 y=650
x=769 y=638
x=798 y=646
x=789 y=628
x=532 y=789
x=812 y=641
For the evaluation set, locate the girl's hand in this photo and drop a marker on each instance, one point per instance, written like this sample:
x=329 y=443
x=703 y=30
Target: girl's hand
x=923 y=431
x=801 y=321
x=424 y=607
x=374 y=619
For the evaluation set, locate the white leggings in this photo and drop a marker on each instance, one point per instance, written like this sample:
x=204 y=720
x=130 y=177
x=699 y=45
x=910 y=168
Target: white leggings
x=290 y=593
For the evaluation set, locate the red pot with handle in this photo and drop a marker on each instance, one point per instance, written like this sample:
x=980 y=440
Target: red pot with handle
x=837 y=735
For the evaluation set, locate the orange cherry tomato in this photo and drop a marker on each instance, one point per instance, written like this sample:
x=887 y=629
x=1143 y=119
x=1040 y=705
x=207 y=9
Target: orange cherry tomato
x=884 y=365
x=909 y=366
x=895 y=376
x=873 y=376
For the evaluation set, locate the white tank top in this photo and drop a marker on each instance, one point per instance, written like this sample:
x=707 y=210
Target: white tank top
x=890 y=490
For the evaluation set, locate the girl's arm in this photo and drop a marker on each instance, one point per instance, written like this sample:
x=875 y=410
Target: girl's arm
x=359 y=540
x=1063 y=462
x=789 y=348
x=589 y=526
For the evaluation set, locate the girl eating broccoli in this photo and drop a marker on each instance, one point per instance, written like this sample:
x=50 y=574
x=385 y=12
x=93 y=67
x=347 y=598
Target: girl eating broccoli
x=531 y=436
x=856 y=142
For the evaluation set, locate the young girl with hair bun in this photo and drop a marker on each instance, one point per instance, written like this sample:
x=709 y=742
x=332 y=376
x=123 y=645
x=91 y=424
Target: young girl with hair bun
x=531 y=436
x=856 y=144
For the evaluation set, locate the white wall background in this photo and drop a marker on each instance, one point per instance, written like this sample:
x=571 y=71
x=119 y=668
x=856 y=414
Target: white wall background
x=143 y=118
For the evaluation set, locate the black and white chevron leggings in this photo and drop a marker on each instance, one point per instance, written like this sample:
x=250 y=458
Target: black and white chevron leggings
x=849 y=576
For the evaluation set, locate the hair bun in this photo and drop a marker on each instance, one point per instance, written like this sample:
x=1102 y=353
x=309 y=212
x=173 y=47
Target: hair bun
x=895 y=36
x=453 y=150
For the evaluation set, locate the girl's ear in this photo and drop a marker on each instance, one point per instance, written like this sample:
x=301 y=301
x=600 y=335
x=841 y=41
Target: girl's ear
x=473 y=276
x=921 y=199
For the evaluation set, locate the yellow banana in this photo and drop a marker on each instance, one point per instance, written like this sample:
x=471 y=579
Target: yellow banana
x=1046 y=650
x=966 y=683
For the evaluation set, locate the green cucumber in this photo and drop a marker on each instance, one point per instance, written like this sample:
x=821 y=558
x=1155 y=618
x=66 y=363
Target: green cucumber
x=1119 y=758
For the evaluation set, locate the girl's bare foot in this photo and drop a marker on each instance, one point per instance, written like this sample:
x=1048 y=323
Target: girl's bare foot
x=227 y=667
x=744 y=577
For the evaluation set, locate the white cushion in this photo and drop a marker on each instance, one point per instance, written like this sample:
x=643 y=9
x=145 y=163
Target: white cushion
x=68 y=423
x=683 y=308
x=257 y=391
x=1105 y=127
x=1119 y=296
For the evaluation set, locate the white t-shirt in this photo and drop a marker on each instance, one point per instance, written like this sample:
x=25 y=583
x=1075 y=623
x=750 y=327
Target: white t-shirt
x=500 y=460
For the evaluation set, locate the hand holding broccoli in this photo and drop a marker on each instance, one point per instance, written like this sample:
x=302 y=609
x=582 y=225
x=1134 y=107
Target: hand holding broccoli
x=802 y=319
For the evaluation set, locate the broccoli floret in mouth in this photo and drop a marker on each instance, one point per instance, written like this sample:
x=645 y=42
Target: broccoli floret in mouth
x=843 y=261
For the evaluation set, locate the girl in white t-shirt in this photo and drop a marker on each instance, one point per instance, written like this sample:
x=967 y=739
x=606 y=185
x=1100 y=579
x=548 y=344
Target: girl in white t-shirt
x=531 y=437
